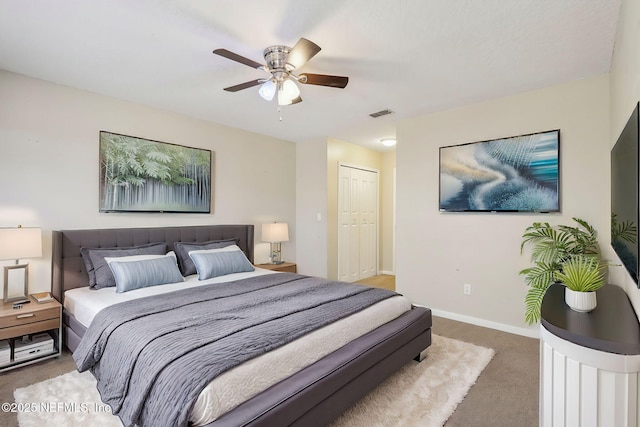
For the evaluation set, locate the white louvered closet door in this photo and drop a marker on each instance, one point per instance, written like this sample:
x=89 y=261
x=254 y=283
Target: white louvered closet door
x=358 y=223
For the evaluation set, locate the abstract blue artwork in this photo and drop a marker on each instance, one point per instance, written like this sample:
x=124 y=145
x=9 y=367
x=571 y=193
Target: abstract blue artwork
x=515 y=174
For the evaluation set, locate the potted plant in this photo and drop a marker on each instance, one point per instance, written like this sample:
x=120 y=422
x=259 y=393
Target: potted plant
x=582 y=275
x=552 y=247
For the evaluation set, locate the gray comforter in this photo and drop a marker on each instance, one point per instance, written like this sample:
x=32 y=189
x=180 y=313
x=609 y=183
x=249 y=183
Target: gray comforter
x=153 y=356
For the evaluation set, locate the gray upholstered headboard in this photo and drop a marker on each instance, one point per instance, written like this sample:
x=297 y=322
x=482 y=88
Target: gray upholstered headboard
x=68 y=269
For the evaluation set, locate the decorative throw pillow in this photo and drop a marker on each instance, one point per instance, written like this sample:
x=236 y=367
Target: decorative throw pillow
x=141 y=271
x=219 y=262
x=183 y=248
x=100 y=275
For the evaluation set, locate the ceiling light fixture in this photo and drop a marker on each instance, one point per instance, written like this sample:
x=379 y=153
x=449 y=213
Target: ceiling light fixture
x=388 y=142
x=287 y=92
x=280 y=63
x=267 y=90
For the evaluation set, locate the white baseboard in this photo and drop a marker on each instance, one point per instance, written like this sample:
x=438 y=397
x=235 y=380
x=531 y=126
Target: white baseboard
x=527 y=332
x=390 y=273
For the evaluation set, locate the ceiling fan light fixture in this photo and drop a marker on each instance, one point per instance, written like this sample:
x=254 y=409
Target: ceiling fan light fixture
x=283 y=100
x=388 y=142
x=267 y=90
x=290 y=89
x=280 y=62
x=287 y=92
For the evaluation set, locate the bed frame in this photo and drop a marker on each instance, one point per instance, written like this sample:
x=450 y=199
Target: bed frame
x=312 y=397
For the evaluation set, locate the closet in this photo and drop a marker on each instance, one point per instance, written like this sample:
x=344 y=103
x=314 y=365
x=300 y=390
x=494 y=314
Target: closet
x=357 y=222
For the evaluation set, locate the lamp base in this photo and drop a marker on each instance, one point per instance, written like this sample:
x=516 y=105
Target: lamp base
x=276 y=254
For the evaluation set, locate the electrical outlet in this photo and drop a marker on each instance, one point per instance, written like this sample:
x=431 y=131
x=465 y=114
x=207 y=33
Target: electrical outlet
x=466 y=289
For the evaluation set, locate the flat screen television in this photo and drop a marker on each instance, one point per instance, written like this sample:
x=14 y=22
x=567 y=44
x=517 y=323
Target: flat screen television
x=515 y=174
x=624 y=196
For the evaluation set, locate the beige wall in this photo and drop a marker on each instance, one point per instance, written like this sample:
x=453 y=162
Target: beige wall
x=344 y=152
x=438 y=252
x=49 y=165
x=625 y=93
x=311 y=207
x=387 y=212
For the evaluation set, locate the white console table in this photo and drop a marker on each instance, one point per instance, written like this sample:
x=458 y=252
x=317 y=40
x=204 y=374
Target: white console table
x=589 y=362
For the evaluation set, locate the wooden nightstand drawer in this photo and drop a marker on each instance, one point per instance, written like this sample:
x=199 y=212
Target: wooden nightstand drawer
x=287 y=267
x=22 y=317
x=29 y=328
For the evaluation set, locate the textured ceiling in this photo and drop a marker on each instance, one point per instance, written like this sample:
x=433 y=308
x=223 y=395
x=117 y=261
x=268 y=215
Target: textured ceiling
x=411 y=56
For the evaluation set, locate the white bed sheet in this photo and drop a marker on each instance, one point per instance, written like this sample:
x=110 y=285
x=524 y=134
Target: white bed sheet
x=256 y=375
x=84 y=303
x=247 y=380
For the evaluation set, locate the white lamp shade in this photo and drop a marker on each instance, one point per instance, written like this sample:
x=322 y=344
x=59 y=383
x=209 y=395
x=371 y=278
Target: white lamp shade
x=275 y=232
x=287 y=92
x=267 y=90
x=290 y=89
x=21 y=242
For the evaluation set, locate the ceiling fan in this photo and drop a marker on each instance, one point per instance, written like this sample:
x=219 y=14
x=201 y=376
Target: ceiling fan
x=281 y=62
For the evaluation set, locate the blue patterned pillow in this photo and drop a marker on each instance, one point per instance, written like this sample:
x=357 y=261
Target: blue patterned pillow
x=142 y=271
x=220 y=262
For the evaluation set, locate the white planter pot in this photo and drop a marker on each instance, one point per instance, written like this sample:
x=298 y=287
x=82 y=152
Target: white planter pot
x=580 y=301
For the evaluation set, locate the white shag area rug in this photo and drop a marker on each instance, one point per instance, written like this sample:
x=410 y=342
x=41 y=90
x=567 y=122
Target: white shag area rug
x=420 y=394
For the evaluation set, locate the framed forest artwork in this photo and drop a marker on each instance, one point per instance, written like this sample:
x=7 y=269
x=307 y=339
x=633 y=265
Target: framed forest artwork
x=141 y=175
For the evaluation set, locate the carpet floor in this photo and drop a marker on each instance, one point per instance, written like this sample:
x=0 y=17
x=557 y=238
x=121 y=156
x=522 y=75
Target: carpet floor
x=420 y=394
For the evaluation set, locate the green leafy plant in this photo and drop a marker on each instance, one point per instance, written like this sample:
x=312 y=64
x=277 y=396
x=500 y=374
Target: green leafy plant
x=551 y=248
x=582 y=273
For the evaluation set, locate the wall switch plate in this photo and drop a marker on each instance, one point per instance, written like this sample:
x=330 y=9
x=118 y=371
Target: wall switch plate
x=466 y=288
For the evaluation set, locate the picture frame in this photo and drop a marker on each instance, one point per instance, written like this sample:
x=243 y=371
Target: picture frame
x=16 y=282
x=513 y=174
x=143 y=175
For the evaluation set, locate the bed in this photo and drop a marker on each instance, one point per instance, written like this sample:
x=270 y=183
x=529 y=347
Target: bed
x=314 y=395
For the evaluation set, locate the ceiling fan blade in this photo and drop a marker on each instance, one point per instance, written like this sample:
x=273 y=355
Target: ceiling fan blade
x=302 y=52
x=235 y=57
x=324 y=80
x=296 y=100
x=244 y=85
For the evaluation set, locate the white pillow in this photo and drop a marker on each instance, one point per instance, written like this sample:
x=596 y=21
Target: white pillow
x=229 y=248
x=137 y=257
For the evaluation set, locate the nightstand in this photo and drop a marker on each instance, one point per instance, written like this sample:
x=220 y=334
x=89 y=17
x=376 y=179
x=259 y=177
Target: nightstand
x=40 y=322
x=288 y=267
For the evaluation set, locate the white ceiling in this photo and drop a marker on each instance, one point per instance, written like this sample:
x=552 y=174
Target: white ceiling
x=411 y=56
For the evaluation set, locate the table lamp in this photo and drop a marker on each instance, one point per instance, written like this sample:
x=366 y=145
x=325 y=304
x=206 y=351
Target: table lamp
x=275 y=233
x=18 y=243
